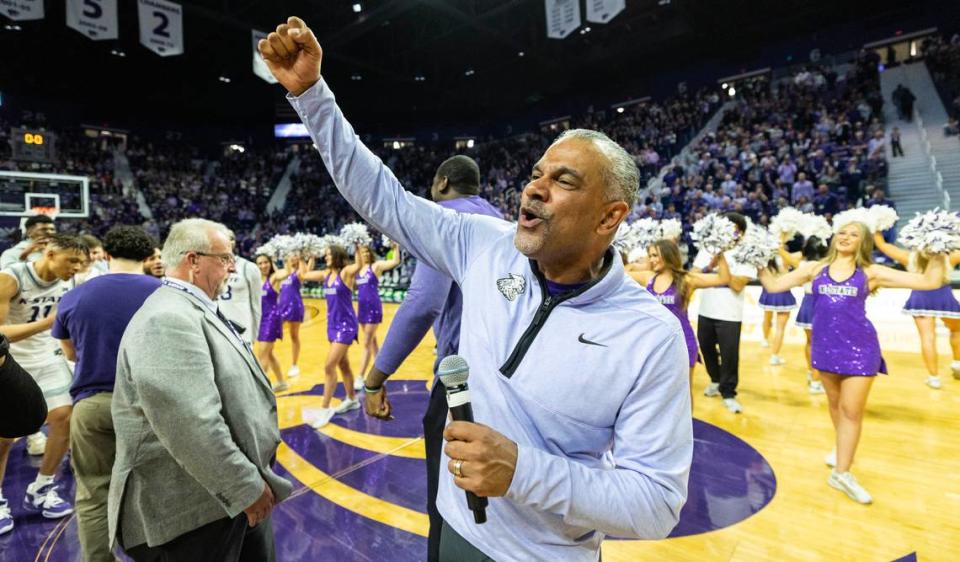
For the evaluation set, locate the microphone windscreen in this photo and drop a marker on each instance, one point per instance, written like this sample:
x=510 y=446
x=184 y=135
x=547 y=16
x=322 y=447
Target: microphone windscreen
x=453 y=370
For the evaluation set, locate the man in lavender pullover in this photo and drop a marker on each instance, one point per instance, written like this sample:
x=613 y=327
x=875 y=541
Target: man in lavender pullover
x=433 y=299
x=548 y=314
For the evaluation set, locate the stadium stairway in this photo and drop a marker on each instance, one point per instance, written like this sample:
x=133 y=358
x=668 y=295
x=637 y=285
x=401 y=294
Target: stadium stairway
x=121 y=167
x=279 y=198
x=912 y=178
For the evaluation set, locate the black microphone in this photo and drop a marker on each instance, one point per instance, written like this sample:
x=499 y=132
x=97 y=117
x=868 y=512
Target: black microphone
x=453 y=373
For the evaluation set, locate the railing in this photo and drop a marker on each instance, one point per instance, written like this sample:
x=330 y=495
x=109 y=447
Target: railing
x=932 y=161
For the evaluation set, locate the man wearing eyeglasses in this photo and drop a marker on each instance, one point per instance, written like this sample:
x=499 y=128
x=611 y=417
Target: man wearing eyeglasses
x=195 y=418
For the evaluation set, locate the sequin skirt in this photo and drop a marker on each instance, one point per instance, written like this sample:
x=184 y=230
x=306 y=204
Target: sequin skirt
x=292 y=311
x=938 y=303
x=805 y=314
x=779 y=302
x=370 y=311
x=342 y=332
x=271 y=328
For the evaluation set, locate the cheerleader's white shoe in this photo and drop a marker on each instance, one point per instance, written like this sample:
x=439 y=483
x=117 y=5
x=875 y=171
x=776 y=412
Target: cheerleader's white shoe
x=846 y=483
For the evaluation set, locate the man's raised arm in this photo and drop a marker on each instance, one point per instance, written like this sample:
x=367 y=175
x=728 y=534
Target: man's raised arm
x=440 y=237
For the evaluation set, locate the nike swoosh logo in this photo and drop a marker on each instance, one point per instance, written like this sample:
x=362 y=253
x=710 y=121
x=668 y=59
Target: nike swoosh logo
x=588 y=342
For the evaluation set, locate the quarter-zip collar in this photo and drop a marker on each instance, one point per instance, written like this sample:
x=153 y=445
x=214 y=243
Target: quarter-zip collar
x=605 y=284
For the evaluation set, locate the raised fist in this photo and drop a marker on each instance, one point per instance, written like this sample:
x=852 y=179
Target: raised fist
x=293 y=55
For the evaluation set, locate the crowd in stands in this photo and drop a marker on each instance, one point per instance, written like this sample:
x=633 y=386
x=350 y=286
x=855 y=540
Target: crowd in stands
x=943 y=60
x=815 y=142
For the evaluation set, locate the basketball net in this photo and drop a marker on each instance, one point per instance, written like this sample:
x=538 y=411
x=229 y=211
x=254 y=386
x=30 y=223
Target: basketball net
x=49 y=211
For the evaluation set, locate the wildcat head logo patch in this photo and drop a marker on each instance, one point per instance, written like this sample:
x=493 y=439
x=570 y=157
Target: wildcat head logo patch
x=511 y=287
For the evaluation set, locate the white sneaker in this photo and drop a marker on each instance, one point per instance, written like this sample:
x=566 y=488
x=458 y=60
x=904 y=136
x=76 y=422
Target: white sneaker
x=348 y=405
x=776 y=360
x=358 y=384
x=732 y=405
x=280 y=386
x=317 y=417
x=294 y=372
x=713 y=389
x=846 y=483
x=764 y=344
x=815 y=387
x=933 y=382
x=831 y=459
x=36 y=443
x=955 y=367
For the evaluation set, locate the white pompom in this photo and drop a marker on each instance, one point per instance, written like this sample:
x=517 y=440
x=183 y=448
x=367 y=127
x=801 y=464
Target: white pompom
x=883 y=217
x=268 y=249
x=714 y=233
x=671 y=229
x=859 y=214
x=758 y=247
x=788 y=221
x=815 y=225
x=933 y=232
x=640 y=234
x=356 y=234
x=386 y=241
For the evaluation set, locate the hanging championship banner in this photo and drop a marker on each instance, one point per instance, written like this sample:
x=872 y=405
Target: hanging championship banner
x=22 y=10
x=563 y=17
x=161 y=27
x=602 y=11
x=260 y=67
x=97 y=19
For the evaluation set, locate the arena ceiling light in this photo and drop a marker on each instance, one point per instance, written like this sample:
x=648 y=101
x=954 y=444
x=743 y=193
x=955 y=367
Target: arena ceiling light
x=357 y=8
x=520 y=54
x=585 y=30
x=224 y=79
x=469 y=72
x=12 y=27
x=419 y=78
x=356 y=77
x=117 y=53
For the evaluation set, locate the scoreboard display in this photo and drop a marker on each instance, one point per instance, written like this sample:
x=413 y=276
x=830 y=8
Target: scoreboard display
x=34 y=145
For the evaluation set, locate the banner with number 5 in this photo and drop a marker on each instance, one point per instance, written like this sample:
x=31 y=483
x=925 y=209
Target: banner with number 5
x=97 y=19
x=161 y=27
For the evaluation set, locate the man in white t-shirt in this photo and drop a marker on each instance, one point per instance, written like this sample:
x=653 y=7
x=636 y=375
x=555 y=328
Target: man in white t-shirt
x=719 y=322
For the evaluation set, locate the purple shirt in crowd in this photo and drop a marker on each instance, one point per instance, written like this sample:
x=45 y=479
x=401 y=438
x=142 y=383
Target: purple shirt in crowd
x=94 y=316
x=433 y=299
x=802 y=189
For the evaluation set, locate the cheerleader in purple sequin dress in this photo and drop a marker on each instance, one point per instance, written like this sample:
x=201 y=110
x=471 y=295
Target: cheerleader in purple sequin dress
x=271 y=324
x=369 y=306
x=927 y=306
x=814 y=249
x=672 y=286
x=342 y=327
x=845 y=347
x=290 y=303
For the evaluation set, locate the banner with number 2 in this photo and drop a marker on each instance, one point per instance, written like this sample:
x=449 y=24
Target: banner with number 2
x=161 y=27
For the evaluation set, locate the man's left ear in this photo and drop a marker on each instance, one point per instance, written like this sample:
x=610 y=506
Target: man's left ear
x=614 y=213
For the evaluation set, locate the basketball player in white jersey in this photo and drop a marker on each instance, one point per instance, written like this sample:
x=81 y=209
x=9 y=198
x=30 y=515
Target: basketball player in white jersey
x=240 y=302
x=29 y=294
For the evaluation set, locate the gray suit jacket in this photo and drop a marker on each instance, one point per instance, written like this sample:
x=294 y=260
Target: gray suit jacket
x=196 y=423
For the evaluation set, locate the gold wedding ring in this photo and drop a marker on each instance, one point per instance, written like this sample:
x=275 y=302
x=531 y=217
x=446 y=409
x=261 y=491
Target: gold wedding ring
x=457 y=465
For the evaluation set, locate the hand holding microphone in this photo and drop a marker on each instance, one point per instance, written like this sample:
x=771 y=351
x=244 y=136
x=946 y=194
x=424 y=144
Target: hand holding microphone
x=483 y=461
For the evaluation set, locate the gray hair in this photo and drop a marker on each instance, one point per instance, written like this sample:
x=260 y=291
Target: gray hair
x=189 y=235
x=621 y=176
